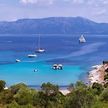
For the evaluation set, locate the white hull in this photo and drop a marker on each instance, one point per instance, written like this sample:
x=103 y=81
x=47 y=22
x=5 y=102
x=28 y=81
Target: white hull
x=82 y=41
x=40 y=50
x=17 y=60
x=32 y=55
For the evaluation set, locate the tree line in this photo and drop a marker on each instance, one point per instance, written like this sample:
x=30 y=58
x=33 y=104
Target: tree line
x=80 y=96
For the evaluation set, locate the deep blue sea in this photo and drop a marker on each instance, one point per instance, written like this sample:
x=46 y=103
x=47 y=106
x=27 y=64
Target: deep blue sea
x=76 y=58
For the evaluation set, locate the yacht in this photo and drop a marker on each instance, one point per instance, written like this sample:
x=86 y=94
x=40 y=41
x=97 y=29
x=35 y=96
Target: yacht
x=40 y=50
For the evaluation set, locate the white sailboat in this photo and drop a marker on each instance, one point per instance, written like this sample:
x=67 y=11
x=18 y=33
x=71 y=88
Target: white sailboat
x=82 y=39
x=40 y=50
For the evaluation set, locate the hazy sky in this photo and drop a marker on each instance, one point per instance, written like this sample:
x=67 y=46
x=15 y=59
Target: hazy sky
x=16 y=9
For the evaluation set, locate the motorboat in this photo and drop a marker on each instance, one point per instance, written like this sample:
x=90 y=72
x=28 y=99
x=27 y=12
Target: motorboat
x=32 y=55
x=57 y=67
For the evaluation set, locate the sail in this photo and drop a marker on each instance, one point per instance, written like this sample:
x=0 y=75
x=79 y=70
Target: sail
x=82 y=39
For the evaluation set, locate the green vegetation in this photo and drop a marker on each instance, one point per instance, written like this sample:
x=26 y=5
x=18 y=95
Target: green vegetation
x=2 y=85
x=106 y=80
x=106 y=77
x=98 y=88
x=80 y=96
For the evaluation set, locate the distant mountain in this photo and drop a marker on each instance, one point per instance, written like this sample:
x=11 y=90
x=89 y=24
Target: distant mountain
x=53 y=25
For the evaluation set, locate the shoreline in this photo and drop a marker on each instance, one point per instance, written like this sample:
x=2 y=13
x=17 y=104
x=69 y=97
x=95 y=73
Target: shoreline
x=97 y=74
x=63 y=89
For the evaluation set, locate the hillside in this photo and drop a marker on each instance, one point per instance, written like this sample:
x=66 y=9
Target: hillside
x=53 y=25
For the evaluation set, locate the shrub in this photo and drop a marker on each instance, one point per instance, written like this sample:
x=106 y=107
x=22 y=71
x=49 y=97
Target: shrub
x=80 y=98
x=98 y=88
x=2 y=85
x=6 y=97
x=106 y=77
x=80 y=84
x=104 y=95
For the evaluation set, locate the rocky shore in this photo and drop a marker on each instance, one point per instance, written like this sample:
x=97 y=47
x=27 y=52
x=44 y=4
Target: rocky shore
x=97 y=73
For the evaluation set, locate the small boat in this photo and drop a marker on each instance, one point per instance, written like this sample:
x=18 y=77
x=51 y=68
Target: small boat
x=60 y=66
x=32 y=55
x=82 y=39
x=17 y=60
x=35 y=70
x=57 y=67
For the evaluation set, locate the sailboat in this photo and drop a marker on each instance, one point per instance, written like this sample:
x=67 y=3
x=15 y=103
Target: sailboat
x=82 y=39
x=40 y=50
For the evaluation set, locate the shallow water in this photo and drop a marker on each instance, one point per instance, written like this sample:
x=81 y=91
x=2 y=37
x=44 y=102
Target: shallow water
x=76 y=58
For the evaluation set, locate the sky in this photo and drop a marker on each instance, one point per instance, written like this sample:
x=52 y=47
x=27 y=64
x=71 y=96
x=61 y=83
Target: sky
x=95 y=10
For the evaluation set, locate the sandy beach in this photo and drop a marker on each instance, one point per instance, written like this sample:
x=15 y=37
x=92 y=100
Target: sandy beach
x=64 y=91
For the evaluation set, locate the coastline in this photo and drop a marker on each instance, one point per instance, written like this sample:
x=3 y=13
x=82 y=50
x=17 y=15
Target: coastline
x=97 y=74
x=63 y=89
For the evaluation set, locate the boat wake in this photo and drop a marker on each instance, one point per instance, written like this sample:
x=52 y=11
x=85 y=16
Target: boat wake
x=28 y=61
x=6 y=41
x=87 y=49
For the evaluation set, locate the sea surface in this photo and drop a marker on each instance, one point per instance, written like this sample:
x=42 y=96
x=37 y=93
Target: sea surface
x=76 y=58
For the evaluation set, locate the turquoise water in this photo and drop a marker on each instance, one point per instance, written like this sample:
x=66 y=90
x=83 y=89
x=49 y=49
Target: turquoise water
x=23 y=72
x=76 y=58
